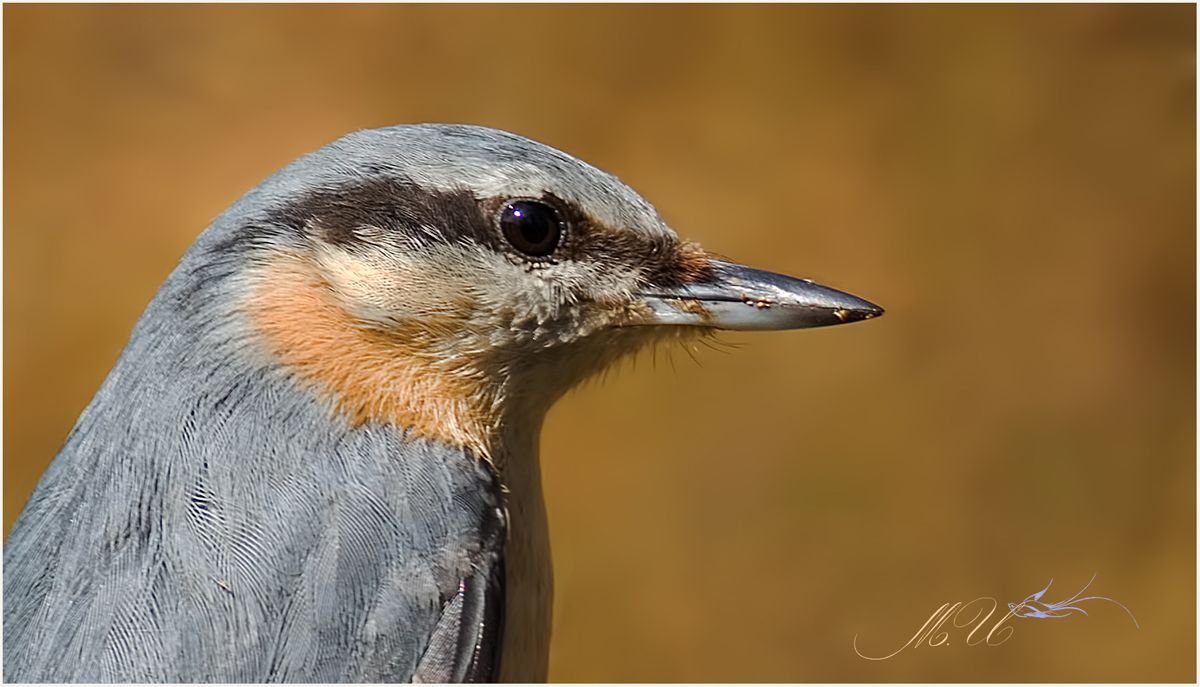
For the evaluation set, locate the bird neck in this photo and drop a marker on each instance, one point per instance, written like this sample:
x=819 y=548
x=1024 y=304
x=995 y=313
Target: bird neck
x=529 y=576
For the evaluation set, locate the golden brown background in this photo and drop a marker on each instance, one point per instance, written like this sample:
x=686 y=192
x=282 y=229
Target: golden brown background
x=1015 y=184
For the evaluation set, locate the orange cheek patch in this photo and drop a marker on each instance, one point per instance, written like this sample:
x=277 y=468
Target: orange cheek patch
x=368 y=373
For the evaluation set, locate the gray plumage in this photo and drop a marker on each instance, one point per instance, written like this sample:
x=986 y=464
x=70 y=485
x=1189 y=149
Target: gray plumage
x=248 y=498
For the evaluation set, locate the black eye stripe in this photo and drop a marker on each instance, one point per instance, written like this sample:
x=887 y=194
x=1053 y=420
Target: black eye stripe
x=532 y=227
x=424 y=216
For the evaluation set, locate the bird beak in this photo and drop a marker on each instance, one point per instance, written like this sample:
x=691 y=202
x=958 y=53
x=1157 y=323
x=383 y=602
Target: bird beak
x=734 y=296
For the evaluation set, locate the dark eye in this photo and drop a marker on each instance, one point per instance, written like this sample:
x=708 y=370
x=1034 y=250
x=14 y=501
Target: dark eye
x=531 y=227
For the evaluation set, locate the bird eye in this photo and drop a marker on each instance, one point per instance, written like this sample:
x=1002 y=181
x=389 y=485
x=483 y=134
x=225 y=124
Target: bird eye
x=531 y=227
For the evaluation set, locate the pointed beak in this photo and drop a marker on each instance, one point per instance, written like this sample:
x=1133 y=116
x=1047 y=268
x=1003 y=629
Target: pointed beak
x=734 y=296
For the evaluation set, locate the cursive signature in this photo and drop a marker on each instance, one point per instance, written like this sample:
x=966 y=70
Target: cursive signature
x=929 y=632
x=935 y=632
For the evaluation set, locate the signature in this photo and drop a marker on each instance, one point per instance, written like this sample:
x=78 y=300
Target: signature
x=958 y=614
x=1029 y=607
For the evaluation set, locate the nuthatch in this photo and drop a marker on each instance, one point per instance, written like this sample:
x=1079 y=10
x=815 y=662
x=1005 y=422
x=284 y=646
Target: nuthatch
x=317 y=459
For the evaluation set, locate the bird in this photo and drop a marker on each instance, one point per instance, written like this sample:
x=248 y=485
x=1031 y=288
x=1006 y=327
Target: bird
x=316 y=458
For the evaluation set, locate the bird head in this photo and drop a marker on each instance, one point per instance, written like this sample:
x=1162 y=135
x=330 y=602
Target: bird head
x=449 y=279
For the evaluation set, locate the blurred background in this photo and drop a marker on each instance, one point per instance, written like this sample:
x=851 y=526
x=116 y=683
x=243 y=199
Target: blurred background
x=1016 y=185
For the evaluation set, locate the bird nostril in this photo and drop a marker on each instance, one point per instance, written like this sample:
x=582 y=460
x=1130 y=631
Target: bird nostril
x=532 y=227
